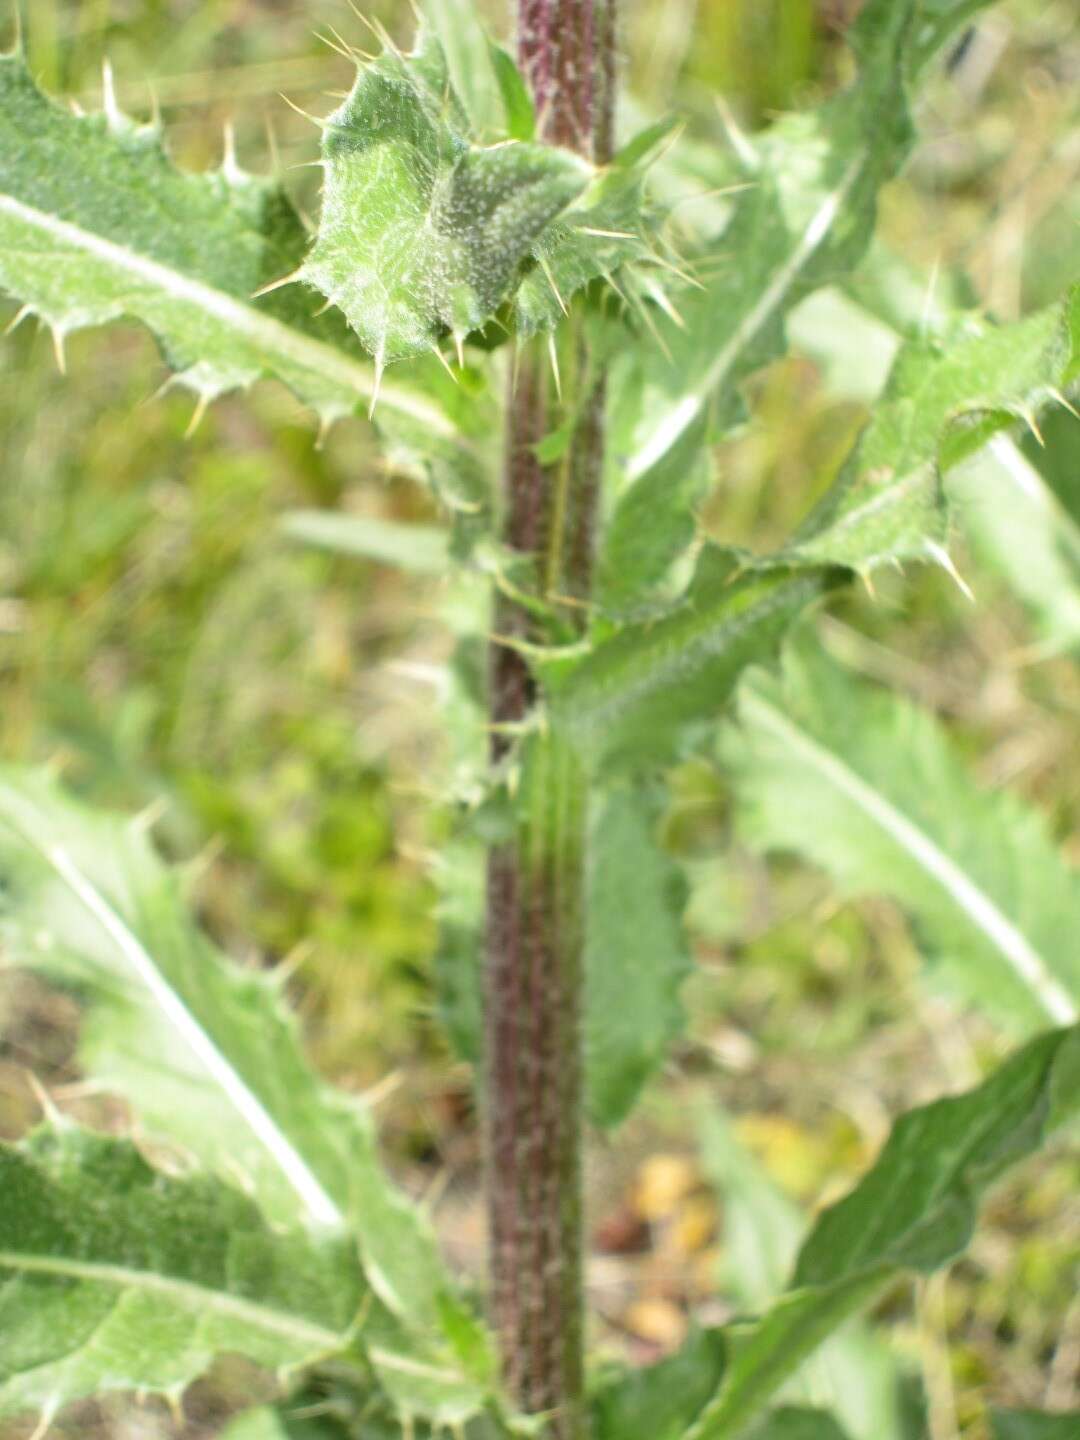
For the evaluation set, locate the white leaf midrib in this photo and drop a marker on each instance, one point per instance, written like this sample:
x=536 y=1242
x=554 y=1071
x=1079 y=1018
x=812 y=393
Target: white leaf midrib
x=186 y=1293
x=267 y=334
x=295 y=1170
x=998 y=929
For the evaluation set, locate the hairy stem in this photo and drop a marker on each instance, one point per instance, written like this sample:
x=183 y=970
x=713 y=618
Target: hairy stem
x=535 y=886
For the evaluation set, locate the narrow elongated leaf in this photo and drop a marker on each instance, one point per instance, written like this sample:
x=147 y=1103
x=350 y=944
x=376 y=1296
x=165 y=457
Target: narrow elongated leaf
x=114 y=1276
x=946 y=397
x=915 y=1209
x=422 y=549
x=96 y=224
x=636 y=954
x=209 y=1058
x=421 y=231
x=645 y=693
x=867 y=785
x=806 y=215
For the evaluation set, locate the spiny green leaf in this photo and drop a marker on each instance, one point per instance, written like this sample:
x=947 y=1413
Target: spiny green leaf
x=421 y=549
x=868 y=786
x=1035 y=1424
x=641 y=695
x=116 y=1276
x=636 y=954
x=946 y=397
x=210 y=1058
x=421 y=231
x=806 y=215
x=915 y=1209
x=96 y=224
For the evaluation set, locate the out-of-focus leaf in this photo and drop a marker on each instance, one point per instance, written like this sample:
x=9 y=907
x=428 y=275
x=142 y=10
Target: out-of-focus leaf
x=422 y=549
x=471 y=62
x=915 y=1209
x=422 y=232
x=278 y=1422
x=806 y=215
x=642 y=695
x=868 y=786
x=1034 y=1425
x=793 y=1422
x=853 y=1371
x=117 y=1277
x=659 y=1401
x=209 y=1057
x=517 y=102
x=1018 y=526
x=636 y=954
x=946 y=397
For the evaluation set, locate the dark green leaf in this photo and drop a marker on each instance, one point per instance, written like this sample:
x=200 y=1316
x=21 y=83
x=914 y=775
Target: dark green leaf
x=1034 y=1425
x=659 y=1401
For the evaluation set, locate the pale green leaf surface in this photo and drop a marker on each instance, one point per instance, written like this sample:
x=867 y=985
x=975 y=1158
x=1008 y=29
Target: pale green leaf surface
x=1019 y=528
x=636 y=954
x=115 y=1276
x=643 y=694
x=1034 y=1424
x=868 y=786
x=807 y=214
x=472 y=66
x=96 y=224
x=915 y=1209
x=420 y=549
x=207 y=1053
x=422 y=232
x=945 y=398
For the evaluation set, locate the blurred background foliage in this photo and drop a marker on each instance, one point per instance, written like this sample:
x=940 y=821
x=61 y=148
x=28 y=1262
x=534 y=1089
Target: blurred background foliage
x=165 y=643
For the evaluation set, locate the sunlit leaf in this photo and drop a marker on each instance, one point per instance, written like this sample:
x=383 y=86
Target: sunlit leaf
x=868 y=786
x=422 y=232
x=421 y=549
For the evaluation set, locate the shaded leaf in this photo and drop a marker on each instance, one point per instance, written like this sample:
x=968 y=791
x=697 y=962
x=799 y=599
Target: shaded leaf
x=793 y=1422
x=636 y=954
x=119 y=1277
x=421 y=231
x=868 y=786
x=658 y=1402
x=914 y=1209
x=1034 y=1425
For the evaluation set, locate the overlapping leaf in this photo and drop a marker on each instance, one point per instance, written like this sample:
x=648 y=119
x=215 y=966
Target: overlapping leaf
x=946 y=397
x=210 y=1059
x=868 y=786
x=422 y=232
x=96 y=224
x=114 y=1276
x=915 y=1209
x=805 y=216
x=642 y=695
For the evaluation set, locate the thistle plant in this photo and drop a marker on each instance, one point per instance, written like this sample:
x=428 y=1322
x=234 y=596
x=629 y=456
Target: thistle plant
x=496 y=283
